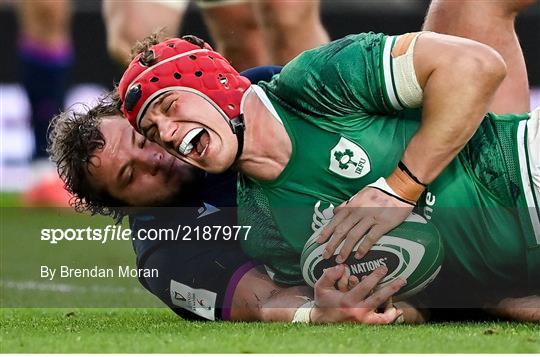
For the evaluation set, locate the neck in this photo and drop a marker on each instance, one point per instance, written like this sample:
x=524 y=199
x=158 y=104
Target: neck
x=267 y=146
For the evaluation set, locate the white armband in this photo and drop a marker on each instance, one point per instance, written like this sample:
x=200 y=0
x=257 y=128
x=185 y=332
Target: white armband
x=407 y=87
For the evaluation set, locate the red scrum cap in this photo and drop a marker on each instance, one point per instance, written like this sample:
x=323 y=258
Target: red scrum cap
x=186 y=64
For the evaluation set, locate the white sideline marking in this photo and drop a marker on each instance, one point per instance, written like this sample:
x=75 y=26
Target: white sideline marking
x=66 y=288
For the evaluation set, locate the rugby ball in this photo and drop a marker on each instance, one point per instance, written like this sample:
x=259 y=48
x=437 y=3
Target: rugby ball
x=413 y=251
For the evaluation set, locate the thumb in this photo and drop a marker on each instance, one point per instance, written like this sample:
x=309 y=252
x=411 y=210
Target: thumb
x=393 y=315
x=329 y=277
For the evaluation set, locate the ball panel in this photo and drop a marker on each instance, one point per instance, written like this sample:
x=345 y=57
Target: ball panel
x=413 y=251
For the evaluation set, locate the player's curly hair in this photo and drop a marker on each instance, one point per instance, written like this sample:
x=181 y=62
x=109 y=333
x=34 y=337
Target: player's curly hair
x=73 y=139
x=153 y=39
x=143 y=46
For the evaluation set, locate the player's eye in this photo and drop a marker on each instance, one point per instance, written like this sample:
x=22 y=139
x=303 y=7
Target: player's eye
x=149 y=132
x=153 y=134
x=125 y=176
x=168 y=105
x=130 y=177
x=142 y=142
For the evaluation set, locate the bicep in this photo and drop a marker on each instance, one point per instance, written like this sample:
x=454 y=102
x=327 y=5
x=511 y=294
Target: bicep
x=434 y=51
x=371 y=74
x=341 y=78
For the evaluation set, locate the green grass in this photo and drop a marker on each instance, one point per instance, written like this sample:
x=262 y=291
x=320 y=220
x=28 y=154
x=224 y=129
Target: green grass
x=34 y=317
x=8 y=199
x=23 y=253
x=158 y=330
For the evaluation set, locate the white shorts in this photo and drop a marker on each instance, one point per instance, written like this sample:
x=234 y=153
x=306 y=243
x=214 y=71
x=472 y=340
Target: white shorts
x=206 y=4
x=177 y=5
x=181 y=5
x=528 y=137
x=533 y=145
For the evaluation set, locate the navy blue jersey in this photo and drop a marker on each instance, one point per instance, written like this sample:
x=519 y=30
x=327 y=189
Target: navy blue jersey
x=196 y=278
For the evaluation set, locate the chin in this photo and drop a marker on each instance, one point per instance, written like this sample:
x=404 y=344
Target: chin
x=220 y=167
x=215 y=170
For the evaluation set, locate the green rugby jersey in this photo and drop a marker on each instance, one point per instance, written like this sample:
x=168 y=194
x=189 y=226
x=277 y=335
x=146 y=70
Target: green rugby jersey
x=348 y=128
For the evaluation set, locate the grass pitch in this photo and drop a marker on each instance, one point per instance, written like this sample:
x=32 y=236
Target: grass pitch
x=36 y=317
x=158 y=330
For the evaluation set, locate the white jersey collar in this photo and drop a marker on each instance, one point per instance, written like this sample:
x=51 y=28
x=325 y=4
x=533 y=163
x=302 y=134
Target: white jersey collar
x=264 y=99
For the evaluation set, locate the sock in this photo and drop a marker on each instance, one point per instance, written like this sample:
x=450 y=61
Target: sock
x=44 y=74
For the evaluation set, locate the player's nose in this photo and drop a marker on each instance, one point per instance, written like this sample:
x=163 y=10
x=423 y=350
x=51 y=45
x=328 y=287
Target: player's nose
x=150 y=161
x=167 y=132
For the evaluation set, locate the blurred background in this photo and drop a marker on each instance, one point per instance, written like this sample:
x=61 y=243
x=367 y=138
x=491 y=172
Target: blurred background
x=82 y=68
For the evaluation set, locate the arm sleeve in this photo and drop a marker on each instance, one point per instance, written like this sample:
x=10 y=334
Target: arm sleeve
x=196 y=282
x=354 y=75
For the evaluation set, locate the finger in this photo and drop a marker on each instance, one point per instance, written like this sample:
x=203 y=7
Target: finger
x=343 y=282
x=381 y=295
x=366 y=285
x=331 y=226
x=387 y=317
x=388 y=304
x=364 y=278
x=400 y=318
x=353 y=281
x=329 y=277
x=345 y=203
x=339 y=235
x=354 y=236
x=370 y=238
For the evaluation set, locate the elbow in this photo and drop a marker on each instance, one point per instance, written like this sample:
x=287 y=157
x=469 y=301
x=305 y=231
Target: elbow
x=493 y=65
x=484 y=66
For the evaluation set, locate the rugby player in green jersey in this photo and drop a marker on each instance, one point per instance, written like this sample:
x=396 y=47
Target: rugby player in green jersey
x=334 y=127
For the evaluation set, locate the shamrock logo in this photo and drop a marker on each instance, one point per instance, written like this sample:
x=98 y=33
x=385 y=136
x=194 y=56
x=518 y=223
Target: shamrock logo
x=344 y=158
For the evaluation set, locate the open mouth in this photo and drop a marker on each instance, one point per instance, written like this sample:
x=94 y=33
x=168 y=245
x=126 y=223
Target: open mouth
x=192 y=141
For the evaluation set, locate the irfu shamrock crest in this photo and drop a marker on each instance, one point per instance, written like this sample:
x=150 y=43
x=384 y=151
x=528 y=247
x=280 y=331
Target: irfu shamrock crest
x=345 y=158
x=348 y=159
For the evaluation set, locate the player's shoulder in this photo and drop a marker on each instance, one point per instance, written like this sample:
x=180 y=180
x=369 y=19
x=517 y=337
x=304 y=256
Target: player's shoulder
x=330 y=49
x=313 y=64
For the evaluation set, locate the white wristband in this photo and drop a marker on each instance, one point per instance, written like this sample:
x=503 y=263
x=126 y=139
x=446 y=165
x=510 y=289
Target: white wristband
x=303 y=313
x=383 y=185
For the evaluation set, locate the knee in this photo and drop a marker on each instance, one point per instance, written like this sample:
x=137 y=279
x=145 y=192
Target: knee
x=52 y=14
x=46 y=20
x=123 y=32
x=120 y=39
x=289 y=16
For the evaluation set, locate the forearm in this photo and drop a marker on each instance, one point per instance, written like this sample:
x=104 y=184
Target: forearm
x=258 y=298
x=283 y=305
x=518 y=309
x=458 y=88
